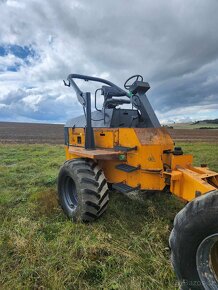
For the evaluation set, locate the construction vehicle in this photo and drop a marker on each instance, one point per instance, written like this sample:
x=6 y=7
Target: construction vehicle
x=123 y=146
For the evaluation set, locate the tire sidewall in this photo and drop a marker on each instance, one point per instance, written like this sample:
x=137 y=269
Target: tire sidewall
x=73 y=213
x=192 y=225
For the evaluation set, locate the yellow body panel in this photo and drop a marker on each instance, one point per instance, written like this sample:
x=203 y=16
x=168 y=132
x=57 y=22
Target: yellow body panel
x=156 y=167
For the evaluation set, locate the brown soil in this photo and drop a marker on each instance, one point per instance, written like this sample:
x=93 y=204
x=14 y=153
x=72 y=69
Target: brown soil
x=54 y=134
x=205 y=135
x=31 y=133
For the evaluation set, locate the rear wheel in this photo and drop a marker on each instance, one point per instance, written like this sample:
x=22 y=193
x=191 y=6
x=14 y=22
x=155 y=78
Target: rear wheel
x=207 y=262
x=194 y=243
x=82 y=190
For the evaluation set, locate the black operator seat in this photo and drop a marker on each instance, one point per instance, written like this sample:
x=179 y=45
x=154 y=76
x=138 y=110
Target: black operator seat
x=110 y=97
x=112 y=103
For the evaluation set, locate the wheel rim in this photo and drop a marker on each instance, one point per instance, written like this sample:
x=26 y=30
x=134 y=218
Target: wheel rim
x=207 y=262
x=70 y=193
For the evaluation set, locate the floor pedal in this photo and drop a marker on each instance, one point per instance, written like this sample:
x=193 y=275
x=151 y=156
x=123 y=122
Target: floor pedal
x=124 y=188
x=127 y=168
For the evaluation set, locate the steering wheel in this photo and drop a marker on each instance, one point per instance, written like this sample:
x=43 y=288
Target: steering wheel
x=135 y=77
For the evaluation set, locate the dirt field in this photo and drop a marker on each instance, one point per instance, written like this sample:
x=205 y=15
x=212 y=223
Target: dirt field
x=205 y=135
x=54 y=134
x=31 y=133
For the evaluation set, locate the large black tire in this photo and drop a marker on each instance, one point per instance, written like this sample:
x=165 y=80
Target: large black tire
x=82 y=190
x=193 y=224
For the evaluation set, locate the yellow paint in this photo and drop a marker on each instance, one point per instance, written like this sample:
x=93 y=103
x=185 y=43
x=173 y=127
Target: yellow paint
x=156 y=168
x=187 y=184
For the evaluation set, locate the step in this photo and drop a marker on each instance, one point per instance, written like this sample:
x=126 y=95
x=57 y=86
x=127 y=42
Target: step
x=124 y=188
x=124 y=149
x=127 y=168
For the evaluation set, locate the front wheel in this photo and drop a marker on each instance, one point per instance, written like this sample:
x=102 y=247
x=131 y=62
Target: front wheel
x=194 y=243
x=82 y=190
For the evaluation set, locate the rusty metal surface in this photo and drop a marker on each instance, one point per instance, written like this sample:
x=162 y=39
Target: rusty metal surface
x=149 y=136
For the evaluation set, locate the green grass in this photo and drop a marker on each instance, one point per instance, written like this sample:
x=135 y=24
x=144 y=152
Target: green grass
x=41 y=249
x=203 y=152
x=202 y=125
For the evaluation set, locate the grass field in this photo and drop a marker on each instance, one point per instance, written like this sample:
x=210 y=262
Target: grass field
x=198 y=125
x=40 y=249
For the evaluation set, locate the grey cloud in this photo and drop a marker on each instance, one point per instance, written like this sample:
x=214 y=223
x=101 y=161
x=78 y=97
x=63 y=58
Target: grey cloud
x=173 y=44
x=39 y=105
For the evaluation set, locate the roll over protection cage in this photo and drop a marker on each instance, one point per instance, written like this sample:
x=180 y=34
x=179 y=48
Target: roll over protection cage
x=80 y=94
x=137 y=92
x=85 y=99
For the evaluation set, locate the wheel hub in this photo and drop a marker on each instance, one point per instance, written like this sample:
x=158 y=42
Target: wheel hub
x=207 y=262
x=70 y=193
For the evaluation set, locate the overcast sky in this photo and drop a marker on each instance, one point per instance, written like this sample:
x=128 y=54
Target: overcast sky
x=173 y=44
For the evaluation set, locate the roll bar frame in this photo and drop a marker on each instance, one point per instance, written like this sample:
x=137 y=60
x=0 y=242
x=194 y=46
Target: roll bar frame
x=80 y=94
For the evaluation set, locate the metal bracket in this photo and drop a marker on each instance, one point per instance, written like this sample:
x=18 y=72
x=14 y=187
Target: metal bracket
x=67 y=85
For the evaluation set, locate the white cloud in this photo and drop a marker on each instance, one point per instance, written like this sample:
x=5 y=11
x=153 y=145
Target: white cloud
x=172 y=44
x=32 y=101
